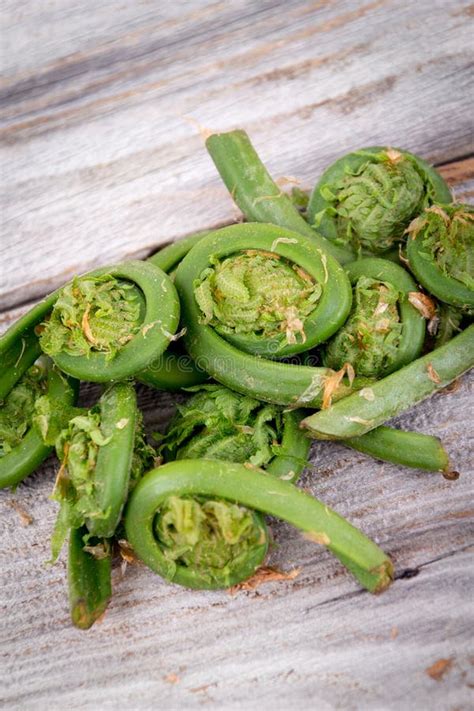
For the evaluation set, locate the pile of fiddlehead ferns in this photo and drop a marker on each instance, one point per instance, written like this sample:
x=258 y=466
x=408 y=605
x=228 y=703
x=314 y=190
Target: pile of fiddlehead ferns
x=302 y=322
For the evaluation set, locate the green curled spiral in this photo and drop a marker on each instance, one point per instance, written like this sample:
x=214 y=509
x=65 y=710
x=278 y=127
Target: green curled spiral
x=266 y=290
x=250 y=488
x=366 y=199
x=262 y=378
x=440 y=251
x=105 y=326
x=213 y=543
x=384 y=331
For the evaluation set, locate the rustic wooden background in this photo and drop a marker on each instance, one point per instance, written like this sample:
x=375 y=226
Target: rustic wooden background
x=103 y=160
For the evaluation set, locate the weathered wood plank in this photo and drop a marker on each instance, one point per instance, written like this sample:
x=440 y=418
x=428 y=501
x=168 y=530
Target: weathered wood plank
x=100 y=163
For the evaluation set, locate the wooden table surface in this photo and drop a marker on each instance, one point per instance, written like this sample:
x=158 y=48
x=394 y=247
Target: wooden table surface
x=102 y=161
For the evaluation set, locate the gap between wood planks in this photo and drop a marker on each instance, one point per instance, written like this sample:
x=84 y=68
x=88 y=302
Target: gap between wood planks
x=456 y=171
x=404 y=574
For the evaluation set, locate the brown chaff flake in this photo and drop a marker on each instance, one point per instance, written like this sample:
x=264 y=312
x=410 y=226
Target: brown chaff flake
x=265 y=574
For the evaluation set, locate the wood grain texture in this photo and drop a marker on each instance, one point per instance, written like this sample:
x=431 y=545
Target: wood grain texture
x=100 y=163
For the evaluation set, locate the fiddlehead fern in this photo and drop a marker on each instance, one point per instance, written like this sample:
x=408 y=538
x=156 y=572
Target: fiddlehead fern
x=227 y=270
x=22 y=448
x=367 y=198
x=93 y=315
x=440 y=250
x=216 y=423
x=102 y=455
x=241 y=371
x=225 y=481
x=209 y=542
x=384 y=331
x=91 y=327
x=89 y=578
x=255 y=293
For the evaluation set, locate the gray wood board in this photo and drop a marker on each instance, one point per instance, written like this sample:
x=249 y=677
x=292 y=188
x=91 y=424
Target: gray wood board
x=100 y=164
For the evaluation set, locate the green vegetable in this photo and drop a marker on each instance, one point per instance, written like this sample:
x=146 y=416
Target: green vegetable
x=261 y=378
x=16 y=413
x=259 y=295
x=366 y=199
x=174 y=369
x=250 y=488
x=93 y=314
x=102 y=454
x=118 y=361
x=411 y=449
x=440 y=250
x=89 y=578
x=257 y=195
x=362 y=412
x=216 y=543
x=281 y=382
x=22 y=448
x=384 y=331
x=216 y=423
x=271 y=291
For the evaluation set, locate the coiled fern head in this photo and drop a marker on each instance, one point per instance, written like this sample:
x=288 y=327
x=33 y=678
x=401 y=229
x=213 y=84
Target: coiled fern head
x=446 y=233
x=256 y=292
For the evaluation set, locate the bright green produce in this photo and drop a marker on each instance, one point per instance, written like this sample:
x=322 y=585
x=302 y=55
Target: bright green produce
x=89 y=578
x=268 y=291
x=257 y=293
x=366 y=199
x=103 y=454
x=363 y=411
x=226 y=481
x=218 y=543
x=216 y=423
x=93 y=315
x=22 y=448
x=384 y=331
x=411 y=449
x=440 y=250
x=262 y=378
x=82 y=338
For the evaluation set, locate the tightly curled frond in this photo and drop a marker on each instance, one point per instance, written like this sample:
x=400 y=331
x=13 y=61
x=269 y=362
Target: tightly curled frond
x=373 y=204
x=211 y=536
x=93 y=314
x=216 y=482
x=446 y=234
x=16 y=413
x=217 y=423
x=366 y=199
x=257 y=292
x=206 y=541
x=370 y=338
